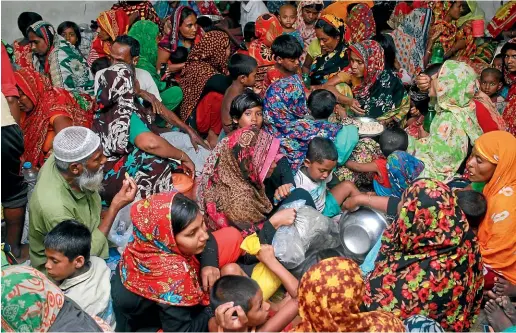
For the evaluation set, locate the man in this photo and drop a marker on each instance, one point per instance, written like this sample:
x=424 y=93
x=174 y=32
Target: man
x=68 y=189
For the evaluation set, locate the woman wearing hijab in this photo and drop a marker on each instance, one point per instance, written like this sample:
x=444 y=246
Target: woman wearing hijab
x=493 y=162
x=46 y=111
x=112 y=23
x=204 y=84
x=307 y=15
x=128 y=143
x=146 y=33
x=341 y=9
x=360 y=23
x=31 y=303
x=429 y=261
x=143 y=10
x=330 y=299
x=232 y=190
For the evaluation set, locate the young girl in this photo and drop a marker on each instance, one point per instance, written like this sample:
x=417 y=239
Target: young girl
x=246 y=110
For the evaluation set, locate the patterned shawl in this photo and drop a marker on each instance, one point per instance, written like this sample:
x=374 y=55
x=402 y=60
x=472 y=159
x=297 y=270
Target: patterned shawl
x=402 y=170
x=307 y=31
x=284 y=112
x=48 y=102
x=330 y=296
x=509 y=114
x=232 y=189
x=115 y=23
x=171 y=41
x=152 y=265
x=361 y=24
x=504 y=19
x=205 y=60
x=497 y=233
x=429 y=261
x=444 y=31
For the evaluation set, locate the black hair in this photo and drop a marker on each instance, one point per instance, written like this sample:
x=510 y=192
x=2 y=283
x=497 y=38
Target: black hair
x=389 y=49
x=99 y=64
x=68 y=24
x=179 y=56
x=493 y=71
x=187 y=11
x=318 y=7
x=508 y=46
x=205 y=23
x=499 y=56
x=71 y=238
x=25 y=20
x=249 y=31
x=133 y=44
x=286 y=46
x=393 y=139
x=321 y=103
x=233 y=288
x=465 y=9
x=474 y=206
x=329 y=29
x=321 y=149
x=245 y=101
x=184 y=211
x=351 y=6
x=241 y=64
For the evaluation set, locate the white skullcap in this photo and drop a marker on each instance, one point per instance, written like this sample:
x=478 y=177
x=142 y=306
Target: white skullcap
x=75 y=143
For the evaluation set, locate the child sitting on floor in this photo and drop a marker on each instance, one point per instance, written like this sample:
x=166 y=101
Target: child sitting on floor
x=287 y=17
x=491 y=84
x=242 y=69
x=474 y=206
x=316 y=173
x=286 y=51
x=249 y=35
x=84 y=279
x=246 y=110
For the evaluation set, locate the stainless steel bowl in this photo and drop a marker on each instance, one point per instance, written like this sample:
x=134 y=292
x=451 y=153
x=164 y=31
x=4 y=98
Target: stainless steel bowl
x=360 y=230
x=368 y=120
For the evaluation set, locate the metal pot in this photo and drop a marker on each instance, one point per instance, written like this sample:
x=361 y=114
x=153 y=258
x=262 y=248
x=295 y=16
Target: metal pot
x=360 y=230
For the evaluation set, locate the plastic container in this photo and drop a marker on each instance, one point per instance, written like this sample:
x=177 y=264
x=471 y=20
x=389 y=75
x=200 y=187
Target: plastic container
x=437 y=53
x=429 y=117
x=478 y=28
x=307 y=81
x=31 y=176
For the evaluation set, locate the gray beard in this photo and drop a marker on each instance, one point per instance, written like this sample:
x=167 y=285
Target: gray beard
x=91 y=181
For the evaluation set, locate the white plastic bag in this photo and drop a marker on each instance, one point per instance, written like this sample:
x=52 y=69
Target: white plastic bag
x=122 y=228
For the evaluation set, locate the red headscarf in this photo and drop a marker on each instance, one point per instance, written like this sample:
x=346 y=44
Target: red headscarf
x=267 y=29
x=371 y=53
x=115 y=23
x=152 y=265
x=361 y=23
x=48 y=102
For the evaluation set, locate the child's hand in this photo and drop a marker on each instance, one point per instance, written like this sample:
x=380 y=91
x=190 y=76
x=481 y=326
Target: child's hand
x=266 y=253
x=228 y=322
x=283 y=191
x=283 y=217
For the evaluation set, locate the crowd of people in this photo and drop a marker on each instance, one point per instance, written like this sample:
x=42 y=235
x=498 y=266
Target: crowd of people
x=199 y=120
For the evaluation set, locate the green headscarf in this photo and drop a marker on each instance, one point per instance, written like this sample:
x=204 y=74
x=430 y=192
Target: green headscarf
x=476 y=13
x=145 y=32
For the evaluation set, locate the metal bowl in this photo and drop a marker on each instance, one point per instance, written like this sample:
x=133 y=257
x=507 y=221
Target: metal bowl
x=368 y=120
x=361 y=229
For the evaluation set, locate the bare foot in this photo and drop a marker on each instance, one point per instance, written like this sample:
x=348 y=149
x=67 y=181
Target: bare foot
x=508 y=308
x=503 y=287
x=496 y=317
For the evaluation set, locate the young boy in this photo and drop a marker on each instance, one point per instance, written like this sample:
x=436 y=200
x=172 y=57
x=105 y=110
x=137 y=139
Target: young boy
x=498 y=61
x=491 y=84
x=287 y=18
x=286 y=51
x=316 y=173
x=474 y=206
x=242 y=69
x=84 y=279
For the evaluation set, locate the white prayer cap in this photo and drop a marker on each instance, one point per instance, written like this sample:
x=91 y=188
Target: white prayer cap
x=75 y=143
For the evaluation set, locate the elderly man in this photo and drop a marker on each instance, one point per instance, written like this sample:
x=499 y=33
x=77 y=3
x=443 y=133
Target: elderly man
x=68 y=189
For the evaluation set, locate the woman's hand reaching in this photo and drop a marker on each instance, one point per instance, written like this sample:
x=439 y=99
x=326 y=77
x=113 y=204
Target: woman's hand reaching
x=283 y=217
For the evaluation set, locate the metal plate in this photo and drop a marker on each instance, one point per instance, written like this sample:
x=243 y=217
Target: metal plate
x=368 y=120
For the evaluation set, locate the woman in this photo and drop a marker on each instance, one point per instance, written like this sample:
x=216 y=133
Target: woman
x=59 y=60
x=232 y=191
x=360 y=23
x=334 y=58
x=455 y=125
x=143 y=10
x=71 y=32
x=307 y=15
x=203 y=7
x=377 y=93
x=46 y=111
x=184 y=32
x=493 y=162
x=330 y=300
x=402 y=170
x=146 y=33
x=429 y=261
x=31 y=303
x=284 y=117
x=168 y=267
x=341 y=9
x=129 y=145
x=22 y=47
x=509 y=72
x=111 y=24
x=204 y=83
x=267 y=28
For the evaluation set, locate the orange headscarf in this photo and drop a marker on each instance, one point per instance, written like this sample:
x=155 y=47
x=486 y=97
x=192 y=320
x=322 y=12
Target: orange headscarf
x=497 y=233
x=340 y=8
x=115 y=23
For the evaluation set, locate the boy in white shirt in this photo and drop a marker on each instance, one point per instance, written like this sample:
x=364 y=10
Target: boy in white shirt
x=316 y=173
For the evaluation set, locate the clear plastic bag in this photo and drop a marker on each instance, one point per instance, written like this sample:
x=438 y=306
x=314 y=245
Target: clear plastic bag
x=121 y=229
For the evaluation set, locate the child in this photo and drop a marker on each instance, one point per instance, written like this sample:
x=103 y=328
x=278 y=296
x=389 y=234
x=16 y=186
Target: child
x=178 y=57
x=474 y=206
x=286 y=51
x=321 y=103
x=491 y=84
x=498 y=61
x=246 y=110
x=84 y=279
x=100 y=64
x=287 y=18
x=249 y=35
x=316 y=173
x=242 y=69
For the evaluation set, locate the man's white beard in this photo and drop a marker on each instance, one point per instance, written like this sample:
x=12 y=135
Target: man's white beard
x=91 y=181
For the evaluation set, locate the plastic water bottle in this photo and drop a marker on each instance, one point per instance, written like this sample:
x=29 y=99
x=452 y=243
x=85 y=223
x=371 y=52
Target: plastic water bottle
x=31 y=175
x=437 y=53
x=306 y=80
x=429 y=117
